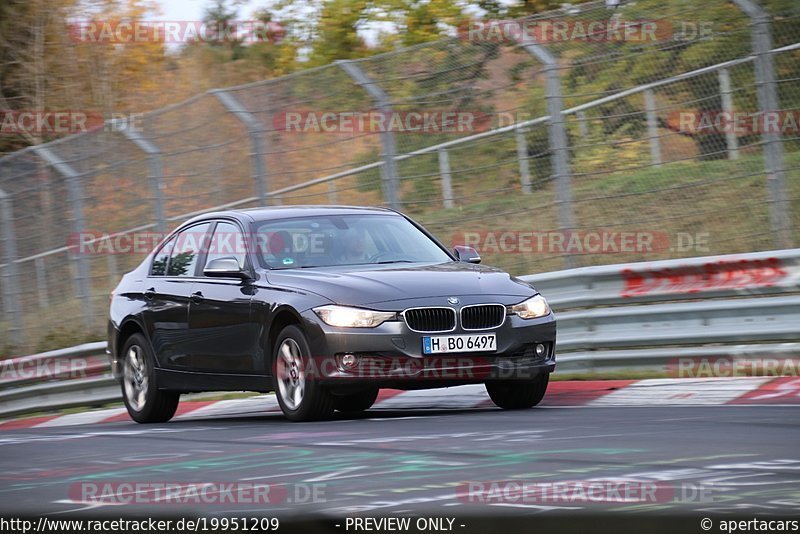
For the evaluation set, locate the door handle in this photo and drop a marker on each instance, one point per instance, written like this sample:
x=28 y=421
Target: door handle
x=150 y=293
x=196 y=297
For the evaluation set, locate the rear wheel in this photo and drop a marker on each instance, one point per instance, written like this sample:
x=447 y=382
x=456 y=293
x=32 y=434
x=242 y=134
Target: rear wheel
x=518 y=394
x=355 y=402
x=300 y=397
x=144 y=401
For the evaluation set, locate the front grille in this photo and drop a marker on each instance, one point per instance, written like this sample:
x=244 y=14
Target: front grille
x=482 y=316
x=430 y=319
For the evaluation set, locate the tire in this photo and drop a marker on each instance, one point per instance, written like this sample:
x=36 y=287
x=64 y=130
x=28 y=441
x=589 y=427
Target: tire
x=517 y=394
x=300 y=397
x=356 y=402
x=144 y=401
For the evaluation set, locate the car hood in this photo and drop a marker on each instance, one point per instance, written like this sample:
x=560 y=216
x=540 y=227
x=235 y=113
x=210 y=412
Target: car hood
x=359 y=285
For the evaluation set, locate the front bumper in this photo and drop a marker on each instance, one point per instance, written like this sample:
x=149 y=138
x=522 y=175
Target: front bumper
x=390 y=355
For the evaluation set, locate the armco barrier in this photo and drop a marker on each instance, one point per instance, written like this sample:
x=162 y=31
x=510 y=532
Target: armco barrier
x=58 y=379
x=648 y=315
x=763 y=273
x=642 y=316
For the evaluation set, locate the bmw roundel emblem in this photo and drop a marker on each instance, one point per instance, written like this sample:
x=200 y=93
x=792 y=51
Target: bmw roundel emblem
x=453 y=300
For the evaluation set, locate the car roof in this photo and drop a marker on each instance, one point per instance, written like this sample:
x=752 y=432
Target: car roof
x=286 y=212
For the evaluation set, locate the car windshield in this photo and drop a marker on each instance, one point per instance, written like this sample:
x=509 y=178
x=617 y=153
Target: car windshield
x=322 y=241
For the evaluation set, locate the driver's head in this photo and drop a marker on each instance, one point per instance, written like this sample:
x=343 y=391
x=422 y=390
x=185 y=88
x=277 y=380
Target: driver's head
x=354 y=242
x=280 y=244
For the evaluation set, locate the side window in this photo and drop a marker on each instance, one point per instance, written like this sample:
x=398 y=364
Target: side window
x=227 y=241
x=160 y=260
x=189 y=244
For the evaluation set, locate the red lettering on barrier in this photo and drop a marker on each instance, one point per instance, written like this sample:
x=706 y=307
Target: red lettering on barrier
x=720 y=275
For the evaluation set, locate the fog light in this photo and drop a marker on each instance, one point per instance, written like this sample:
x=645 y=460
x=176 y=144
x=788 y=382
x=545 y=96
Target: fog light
x=349 y=361
x=541 y=350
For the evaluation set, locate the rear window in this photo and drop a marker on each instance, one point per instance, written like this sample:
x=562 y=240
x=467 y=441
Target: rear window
x=189 y=244
x=161 y=259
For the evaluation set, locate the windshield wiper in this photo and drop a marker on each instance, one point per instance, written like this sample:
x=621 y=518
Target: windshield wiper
x=342 y=265
x=299 y=267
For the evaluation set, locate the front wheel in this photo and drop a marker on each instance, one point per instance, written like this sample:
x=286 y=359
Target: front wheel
x=144 y=401
x=300 y=397
x=518 y=394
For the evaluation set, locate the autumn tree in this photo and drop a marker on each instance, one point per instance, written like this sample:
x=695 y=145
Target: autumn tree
x=637 y=63
x=46 y=65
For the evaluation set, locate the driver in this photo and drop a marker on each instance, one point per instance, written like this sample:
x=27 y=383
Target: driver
x=354 y=246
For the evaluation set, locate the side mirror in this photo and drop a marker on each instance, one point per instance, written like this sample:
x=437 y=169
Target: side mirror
x=467 y=254
x=227 y=267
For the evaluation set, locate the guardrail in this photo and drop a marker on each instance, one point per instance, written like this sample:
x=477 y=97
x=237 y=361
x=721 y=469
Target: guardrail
x=643 y=316
x=650 y=315
x=58 y=379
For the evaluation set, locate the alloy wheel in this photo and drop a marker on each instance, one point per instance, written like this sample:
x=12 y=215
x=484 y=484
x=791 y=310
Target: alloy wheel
x=291 y=377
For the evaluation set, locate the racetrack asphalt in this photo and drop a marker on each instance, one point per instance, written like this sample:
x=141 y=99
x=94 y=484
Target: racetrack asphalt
x=705 y=461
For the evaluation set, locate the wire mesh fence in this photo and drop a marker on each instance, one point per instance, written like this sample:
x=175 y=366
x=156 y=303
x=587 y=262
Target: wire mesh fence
x=582 y=136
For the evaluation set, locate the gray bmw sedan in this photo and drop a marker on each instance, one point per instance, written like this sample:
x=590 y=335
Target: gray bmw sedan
x=324 y=305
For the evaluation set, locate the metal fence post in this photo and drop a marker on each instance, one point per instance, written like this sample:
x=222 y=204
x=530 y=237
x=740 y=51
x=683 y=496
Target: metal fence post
x=333 y=194
x=768 y=103
x=522 y=156
x=11 y=283
x=652 y=127
x=155 y=174
x=254 y=129
x=583 y=125
x=447 y=184
x=559 y=144
x=382 y=101
x=78 y=226
x=731 y=142
x=41 y=283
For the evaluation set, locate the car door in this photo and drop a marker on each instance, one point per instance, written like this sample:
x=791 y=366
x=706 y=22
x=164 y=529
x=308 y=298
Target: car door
x=223 y=336
x=158 y=315
x=167 y=292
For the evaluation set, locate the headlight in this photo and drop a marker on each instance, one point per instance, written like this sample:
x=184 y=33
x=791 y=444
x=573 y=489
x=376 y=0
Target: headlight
x=352 y=317
x=532 y=308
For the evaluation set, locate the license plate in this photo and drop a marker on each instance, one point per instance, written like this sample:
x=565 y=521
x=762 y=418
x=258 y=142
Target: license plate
x=461 y=343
